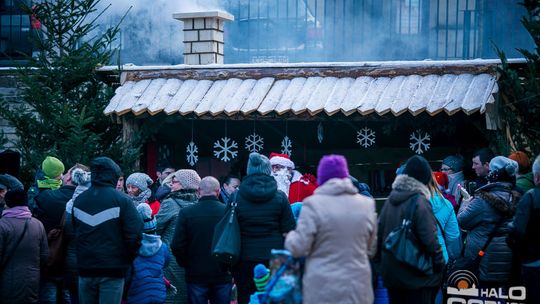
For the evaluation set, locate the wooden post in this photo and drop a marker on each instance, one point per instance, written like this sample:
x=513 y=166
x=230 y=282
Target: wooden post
x=130 y=127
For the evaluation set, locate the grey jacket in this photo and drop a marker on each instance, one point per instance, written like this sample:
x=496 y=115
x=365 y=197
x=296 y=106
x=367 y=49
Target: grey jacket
x=479 y=217
x=19 y=281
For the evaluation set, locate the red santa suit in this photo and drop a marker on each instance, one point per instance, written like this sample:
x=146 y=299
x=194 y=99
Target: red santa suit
x=301 y=185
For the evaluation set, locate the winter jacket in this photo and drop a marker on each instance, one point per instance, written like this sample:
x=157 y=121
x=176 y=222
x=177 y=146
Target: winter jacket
x=70 y=266
x=450 y=240
x=406 y=191
x=526 y=228
x=336 y=232
x=264 y=214
x=145 y=279
x=479 y=217
x=166 y=223
x=192 y=242
x=19 y=281
x=51 y=205
x=525 y=182
x=107 y=226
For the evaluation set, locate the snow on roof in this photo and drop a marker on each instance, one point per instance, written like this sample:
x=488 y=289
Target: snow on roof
x=310 y=88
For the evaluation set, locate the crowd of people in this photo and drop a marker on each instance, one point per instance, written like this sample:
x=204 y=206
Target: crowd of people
x=89 y=235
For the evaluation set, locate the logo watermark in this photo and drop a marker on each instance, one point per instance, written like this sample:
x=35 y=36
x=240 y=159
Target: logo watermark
x=463 y=288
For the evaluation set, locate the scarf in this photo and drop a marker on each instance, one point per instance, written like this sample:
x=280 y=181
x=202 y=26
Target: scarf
x=453 y=181
x=49 y=183
x=142 y=197
x=21 y=212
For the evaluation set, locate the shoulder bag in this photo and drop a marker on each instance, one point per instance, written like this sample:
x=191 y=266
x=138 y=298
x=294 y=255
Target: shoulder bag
x=10 y=255
x=404 y=246
x=226 y=241
x=57 y=245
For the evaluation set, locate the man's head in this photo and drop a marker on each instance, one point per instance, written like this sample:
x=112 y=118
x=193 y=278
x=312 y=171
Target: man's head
x=186 y=179
x=536 y=170
x=52 y=167
x=76 y=177
x=480 y=161
x=523 y=161
x=8 y=183
x=209 y=186
x=230 y=184
x=163 y=172
x=281 y=162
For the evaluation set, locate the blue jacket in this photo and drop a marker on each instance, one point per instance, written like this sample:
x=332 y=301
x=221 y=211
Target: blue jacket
x=146 y=283
x=444 y=213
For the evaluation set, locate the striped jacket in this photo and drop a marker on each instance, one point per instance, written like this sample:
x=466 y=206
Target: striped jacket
x=107 y=226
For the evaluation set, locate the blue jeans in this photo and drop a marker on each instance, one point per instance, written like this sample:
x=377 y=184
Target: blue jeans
x=100 y=290
x=215 y=293
x=51 y=291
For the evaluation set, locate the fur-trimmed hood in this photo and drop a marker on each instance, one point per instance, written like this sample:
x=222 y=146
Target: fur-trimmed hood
x=404 y=187
x=501 y=196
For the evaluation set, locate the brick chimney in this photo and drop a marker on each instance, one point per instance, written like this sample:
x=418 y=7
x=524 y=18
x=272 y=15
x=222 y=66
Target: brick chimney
x=203 y=36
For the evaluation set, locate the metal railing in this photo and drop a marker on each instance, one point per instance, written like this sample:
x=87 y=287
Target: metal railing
x=359 y=30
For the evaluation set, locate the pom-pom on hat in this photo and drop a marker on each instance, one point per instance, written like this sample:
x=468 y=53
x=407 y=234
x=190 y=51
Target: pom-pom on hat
x=499 y=163
x=52 y=167
x=332 y=166
x=441 y=178
x=281 y=159
x=418 y=168
x=146 y=215
x=80 y=177
x=16 y=197
x=139 y=180
x=258 y=163
x=261 y=276
x=454 y=161
x=188 y=178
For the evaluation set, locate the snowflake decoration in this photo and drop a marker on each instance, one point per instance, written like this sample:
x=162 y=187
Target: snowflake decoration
x=225 y=149
x=365 y=137
x=419 y=143
x=192 y=154
x=286 y=146
x=254 y=143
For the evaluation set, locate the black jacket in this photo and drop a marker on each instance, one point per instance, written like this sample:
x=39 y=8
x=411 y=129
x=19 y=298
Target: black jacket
x=192 y=241
x=526 y=227
x=406 y=191
x=264 y=214
x=51 y=205
x=107 y=226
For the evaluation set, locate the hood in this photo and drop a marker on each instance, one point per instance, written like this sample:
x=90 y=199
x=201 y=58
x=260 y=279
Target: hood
x=258 y=188
x=501 y=196
x=405 y=187
x=150 y=244
x=337 y=186
x=105 y=172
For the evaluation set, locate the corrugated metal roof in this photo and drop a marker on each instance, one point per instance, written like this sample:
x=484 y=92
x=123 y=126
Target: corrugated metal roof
x=279 y=91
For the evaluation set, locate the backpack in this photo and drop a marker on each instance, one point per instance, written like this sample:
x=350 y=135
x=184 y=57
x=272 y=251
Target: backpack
x=57 y=245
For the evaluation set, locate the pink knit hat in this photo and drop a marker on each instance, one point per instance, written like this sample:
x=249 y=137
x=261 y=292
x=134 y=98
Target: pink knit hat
x=332 y=166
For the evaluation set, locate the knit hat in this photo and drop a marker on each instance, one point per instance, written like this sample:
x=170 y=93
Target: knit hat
x=10 y=182
x=15 y=198
x=146 y=215
x=258 y=163
x=499 y=163
x=418 y=168
x=80 y=177
x=281 y=159
x=189 y=179
x=52 y=167
x=261 y=276
x=332 y=166
x=454 y=161
x=523 y=161
x=139 y=180
x=442 y=179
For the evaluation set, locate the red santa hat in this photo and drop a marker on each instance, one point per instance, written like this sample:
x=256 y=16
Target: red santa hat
x=441 y=178
x=281 y=159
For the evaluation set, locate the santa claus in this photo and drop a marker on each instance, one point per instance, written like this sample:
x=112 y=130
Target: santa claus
x=290 y=181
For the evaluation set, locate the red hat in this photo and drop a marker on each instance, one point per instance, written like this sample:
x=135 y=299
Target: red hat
x=281 y=159
x=441 y=178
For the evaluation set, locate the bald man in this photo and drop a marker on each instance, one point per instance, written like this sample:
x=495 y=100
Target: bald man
x=192 y=242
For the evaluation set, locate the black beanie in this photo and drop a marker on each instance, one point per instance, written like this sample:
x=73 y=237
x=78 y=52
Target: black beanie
x=15 y=198
x=418 y=168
